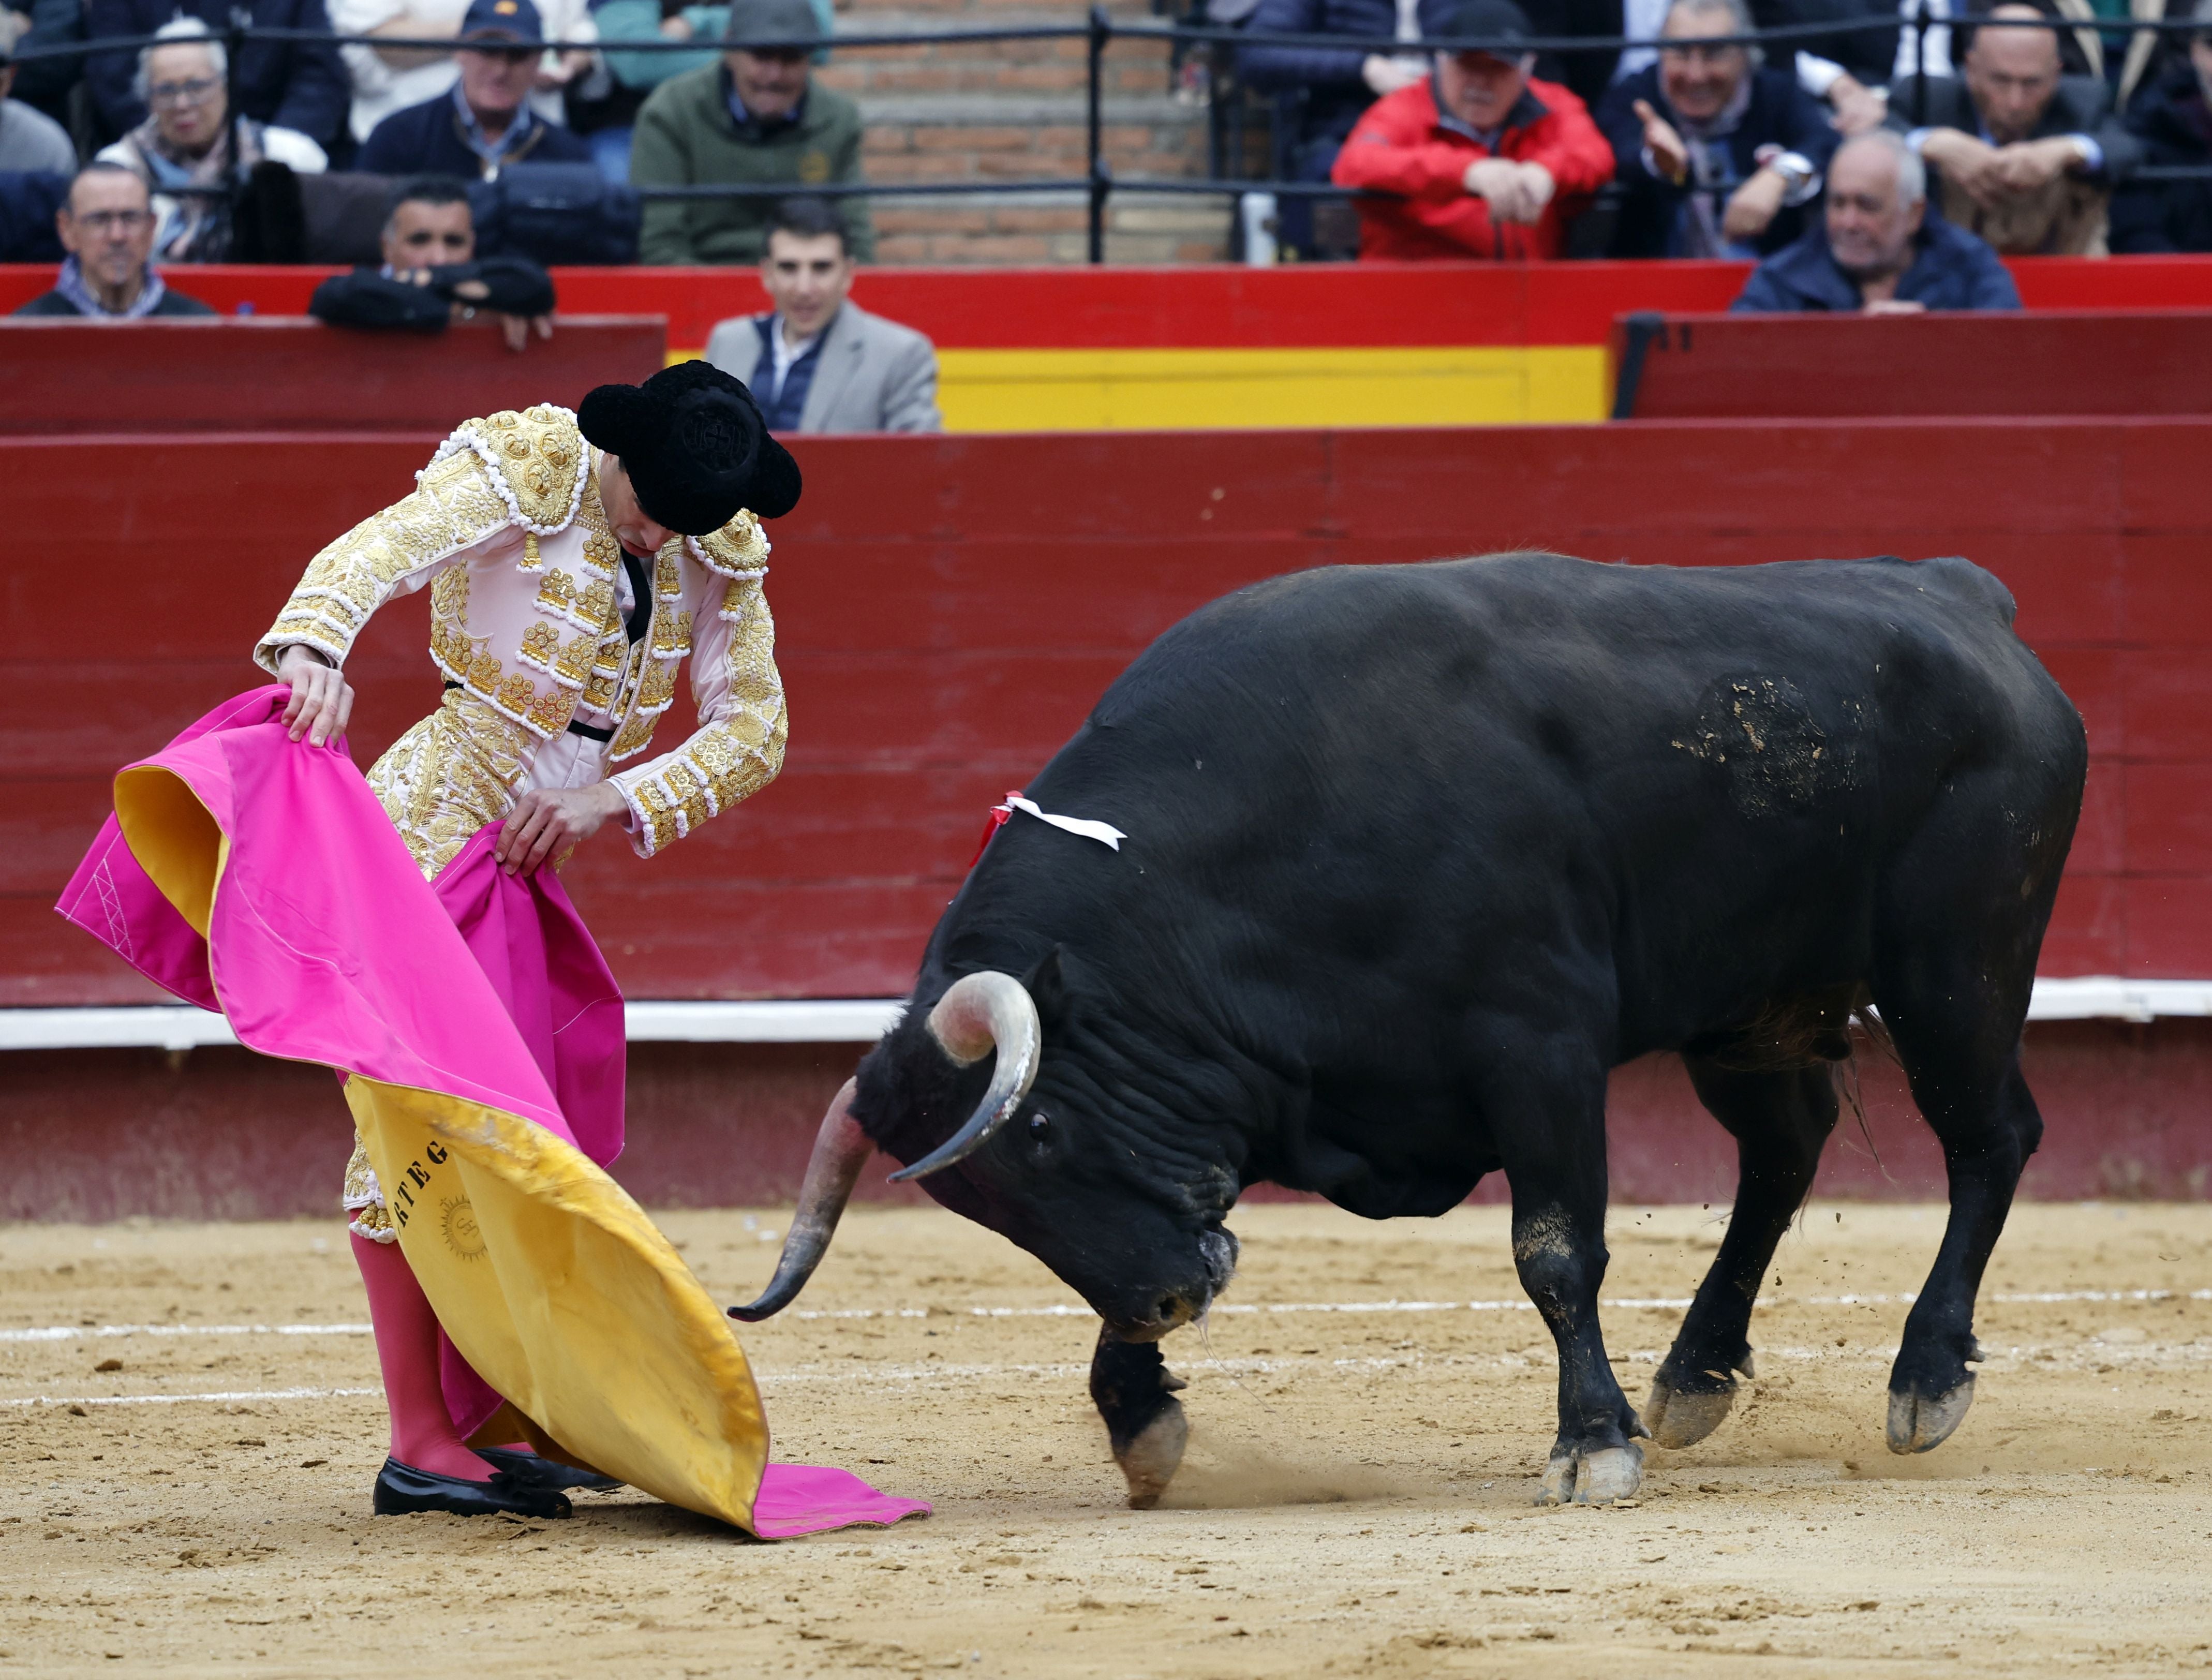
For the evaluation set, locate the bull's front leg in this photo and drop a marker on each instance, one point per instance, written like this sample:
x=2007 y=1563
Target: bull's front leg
x=1554 y=1148
x=1135 y=1393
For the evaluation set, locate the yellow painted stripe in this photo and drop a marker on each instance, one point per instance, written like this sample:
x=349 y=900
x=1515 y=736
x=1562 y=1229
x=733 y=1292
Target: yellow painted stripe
x=1222 y=388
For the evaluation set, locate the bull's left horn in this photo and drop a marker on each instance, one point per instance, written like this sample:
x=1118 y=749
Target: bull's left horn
x=979 y=1013
x=840 y=1149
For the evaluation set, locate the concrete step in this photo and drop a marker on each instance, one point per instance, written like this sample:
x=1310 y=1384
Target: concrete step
x=961 y=138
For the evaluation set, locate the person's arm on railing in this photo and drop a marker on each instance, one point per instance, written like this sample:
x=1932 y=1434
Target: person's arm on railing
x=1286 y=69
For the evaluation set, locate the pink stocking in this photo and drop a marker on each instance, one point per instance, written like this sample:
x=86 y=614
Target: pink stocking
x=422 y=1432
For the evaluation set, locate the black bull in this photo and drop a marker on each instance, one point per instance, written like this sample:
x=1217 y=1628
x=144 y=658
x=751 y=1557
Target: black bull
x=1415 y=855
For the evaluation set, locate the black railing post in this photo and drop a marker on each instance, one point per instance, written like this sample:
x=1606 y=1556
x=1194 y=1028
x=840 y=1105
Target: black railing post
x=233 y=47
x=1920 y=64
x=1094 y=133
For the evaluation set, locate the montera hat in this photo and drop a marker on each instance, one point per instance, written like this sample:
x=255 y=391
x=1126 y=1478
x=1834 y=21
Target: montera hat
x=695 y=447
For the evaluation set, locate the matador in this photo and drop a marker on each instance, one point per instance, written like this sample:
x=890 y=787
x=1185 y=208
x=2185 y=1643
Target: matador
x=573 y=560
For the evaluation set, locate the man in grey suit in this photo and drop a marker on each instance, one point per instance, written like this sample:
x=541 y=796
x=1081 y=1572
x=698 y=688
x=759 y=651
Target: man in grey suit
x=818 y=362
x=2025 y=156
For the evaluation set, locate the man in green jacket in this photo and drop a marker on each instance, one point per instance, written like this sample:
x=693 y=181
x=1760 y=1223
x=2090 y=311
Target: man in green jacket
x=754 y=116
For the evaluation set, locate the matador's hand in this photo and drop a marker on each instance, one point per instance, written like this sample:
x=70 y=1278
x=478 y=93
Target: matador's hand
x=548 y=823
x=322 y=699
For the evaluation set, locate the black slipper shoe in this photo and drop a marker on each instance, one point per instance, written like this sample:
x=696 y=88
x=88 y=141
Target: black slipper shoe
x=401 y=1489
x=534 y=1471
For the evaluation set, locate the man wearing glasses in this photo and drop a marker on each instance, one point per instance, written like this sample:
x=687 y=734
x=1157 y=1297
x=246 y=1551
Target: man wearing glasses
x=486 y=122
x=107 y=226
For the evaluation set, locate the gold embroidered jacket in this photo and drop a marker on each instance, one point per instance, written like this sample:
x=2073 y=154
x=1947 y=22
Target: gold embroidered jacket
x=505 y=523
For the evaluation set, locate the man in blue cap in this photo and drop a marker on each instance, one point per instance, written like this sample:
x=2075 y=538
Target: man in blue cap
x=485 y=122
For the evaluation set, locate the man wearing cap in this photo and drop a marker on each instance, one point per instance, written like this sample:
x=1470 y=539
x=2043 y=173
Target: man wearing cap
x=1480 y=159
x=756 y=117
x=573 y=560
x=484 y=121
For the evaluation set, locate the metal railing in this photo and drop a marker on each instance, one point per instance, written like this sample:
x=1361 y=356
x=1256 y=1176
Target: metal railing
x=1099 y=181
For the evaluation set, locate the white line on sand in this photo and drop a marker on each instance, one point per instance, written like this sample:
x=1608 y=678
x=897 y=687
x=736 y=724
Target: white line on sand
x=1669 y=1303
x=188 y=1400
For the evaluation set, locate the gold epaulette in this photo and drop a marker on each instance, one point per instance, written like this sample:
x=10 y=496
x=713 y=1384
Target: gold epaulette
x=538 y=457
x=739 y=549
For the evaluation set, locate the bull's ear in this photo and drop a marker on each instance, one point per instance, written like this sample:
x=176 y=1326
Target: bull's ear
x=1047 y=984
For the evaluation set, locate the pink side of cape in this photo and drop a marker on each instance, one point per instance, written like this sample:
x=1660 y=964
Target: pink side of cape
x=324 y=946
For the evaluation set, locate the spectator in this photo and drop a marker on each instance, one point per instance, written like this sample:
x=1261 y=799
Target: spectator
x=1717 y=152
x=755 y=118
x=2174 y=120
x=431 y=274
x=2025 y=156
x=299 y=85
x=1485 y=161
x=190 y=142
x=1876 y=250
x=46 y=84
x=387 y=80
x=818 y=362
x=107 y=226
x=29 y=140
x=485 y=121
x=1328 y=89
x=610 y=123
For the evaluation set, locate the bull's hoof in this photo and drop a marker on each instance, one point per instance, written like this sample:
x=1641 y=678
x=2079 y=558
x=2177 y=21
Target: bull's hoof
x=1677 y=1418
x=1579 y=1475
x=1151 y=1459
x=1918 y=1421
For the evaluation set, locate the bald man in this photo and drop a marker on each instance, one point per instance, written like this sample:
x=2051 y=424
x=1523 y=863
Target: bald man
x=2023 y=155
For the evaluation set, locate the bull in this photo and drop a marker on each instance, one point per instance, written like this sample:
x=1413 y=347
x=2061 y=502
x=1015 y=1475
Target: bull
x=1414 y=855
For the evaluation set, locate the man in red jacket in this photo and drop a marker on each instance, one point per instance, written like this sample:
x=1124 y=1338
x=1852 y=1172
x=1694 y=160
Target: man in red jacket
x=1485 y=161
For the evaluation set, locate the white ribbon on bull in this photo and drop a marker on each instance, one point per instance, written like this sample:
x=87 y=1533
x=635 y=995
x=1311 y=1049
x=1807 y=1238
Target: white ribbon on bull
x=1104 y=833
x=978 y=1014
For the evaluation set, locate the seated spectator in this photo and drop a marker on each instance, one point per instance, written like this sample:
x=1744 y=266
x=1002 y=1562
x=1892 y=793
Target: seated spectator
x=755 y=118
x=1328 y=89
x=46 y=84
x=29 y=140
x=30 y=205
x=190 y=141
x=387 y=80
x=1485 y=161
x=818 y=362
x=299 y=85
x=611 y=121
x=1718 y=152
x=431 y=274
x=1876 y=250
x=107 y=226
x=2174 y=120
x=485 y=121
x=2023 y=156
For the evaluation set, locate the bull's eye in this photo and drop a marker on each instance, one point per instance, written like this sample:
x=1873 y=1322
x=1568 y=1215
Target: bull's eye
x=1040 y=1128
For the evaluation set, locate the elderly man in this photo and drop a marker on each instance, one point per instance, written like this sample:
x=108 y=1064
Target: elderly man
x=30 y=141
x=818 y=362
x=1877 y=251
x=430 y=274
x=298 y=84
x=755 y=118
x=1485 y=161
x=2024 y=156
x=1718 y=153
x=107 y=226
x=190 y=152
x=485 y=121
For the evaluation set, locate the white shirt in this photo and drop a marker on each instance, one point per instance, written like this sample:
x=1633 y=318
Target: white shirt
x=782 y=353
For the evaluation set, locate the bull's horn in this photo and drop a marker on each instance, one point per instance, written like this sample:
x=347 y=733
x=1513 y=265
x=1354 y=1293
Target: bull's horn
x=840 y=1149
x=979 y=1013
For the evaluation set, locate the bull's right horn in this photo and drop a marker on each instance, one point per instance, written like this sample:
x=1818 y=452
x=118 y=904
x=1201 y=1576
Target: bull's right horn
x=979 y=1013
x=840 y=1150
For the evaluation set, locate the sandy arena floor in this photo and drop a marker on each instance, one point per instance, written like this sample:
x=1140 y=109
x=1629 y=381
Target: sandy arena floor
x=189 y=1423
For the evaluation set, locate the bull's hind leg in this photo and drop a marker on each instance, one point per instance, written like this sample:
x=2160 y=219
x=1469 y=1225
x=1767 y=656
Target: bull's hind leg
x=1553 y=1144
x=1780 y=1119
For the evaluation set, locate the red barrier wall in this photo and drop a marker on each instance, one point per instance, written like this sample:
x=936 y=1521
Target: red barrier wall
x=1328 y=303
x=2146 y=361
x=298 y=375
x=948 y=610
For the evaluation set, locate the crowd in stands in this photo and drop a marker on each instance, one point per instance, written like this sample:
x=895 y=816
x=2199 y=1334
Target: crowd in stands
x=2003 y=135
